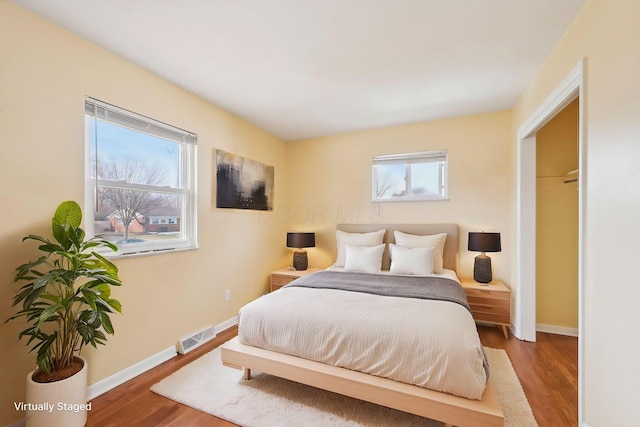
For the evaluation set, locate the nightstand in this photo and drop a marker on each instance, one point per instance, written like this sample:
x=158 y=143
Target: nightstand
x=490 y=303
x=284 y=276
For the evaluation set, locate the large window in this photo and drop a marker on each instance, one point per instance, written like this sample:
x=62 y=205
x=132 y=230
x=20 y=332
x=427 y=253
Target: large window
x=410 y=177
x=139 y=172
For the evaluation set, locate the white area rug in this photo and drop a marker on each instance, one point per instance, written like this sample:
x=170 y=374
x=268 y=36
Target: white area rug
x=267 y=401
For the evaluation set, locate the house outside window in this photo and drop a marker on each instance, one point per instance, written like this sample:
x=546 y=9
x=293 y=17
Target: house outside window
x=410 y=177
x=139 y=172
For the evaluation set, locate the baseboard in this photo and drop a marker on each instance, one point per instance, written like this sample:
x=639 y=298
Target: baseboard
x=113 y=381
x=226 y=324
x=558 y=330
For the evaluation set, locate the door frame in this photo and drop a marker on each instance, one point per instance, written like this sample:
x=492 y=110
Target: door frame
x=569 y=89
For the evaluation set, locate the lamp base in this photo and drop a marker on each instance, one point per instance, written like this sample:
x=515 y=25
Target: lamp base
x=300 y=260
x=482 y=269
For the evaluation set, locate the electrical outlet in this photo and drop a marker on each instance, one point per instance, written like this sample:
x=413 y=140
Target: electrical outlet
x=227 y=295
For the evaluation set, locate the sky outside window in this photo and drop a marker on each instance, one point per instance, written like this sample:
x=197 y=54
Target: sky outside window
x=119 y=145
x=425 y=178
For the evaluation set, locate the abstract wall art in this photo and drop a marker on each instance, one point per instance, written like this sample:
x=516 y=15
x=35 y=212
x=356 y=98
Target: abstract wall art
x=242 y=183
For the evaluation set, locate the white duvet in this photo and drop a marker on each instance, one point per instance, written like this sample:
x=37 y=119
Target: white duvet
x=431 y=344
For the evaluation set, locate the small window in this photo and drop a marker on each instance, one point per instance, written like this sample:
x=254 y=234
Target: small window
x=410 y=177
x=135 y=168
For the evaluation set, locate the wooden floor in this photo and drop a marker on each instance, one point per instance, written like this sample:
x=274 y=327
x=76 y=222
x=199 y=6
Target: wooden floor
x=547 y=370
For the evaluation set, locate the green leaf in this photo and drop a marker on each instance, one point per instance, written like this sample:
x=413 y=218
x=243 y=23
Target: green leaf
x=108 y=265
x=53 y=298
x=50 y=247
x=30 y=299
x=103 y=290
x=89 y=298
x=115 y=304
x=43 y=359
x=106 y=323
x=22 y=293
x=47 y=313
x=33 y=333
x=68 y=212
x=86 y=332
x=24 y=269
x=97 y=242
x=76 y=235
x=108 y=244
x=34 y=237
x=60 y=233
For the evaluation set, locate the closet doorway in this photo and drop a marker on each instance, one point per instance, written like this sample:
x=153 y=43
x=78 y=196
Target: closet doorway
x=557 y=223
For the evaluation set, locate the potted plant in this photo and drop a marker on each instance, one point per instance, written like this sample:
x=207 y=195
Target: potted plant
x=66 y=303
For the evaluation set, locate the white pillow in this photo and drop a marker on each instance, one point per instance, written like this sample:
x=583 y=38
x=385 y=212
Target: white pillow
x=433 y=241
x=355 y=239
x=363 y=258
x=415 y=261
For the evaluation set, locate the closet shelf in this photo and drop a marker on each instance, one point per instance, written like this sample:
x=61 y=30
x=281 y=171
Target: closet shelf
x=571 y=176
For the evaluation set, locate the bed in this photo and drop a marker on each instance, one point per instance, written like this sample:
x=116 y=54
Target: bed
x=350 y=338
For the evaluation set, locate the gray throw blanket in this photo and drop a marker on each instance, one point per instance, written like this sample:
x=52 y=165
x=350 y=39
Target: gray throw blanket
x=434 y=288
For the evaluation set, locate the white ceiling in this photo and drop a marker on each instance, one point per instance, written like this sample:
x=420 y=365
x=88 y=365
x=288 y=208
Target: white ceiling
x=305 y=68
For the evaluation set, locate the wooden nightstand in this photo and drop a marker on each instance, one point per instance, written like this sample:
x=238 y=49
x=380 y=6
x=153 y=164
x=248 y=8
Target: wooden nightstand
x=283 y=276
x=489 y=303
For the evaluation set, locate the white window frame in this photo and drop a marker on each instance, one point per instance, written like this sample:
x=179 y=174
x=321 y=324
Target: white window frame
x=408 y=159
x=99 y=110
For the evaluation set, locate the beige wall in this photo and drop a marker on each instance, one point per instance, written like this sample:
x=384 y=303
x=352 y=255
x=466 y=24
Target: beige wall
x=557 y=221
x=607 y=34
x=45 y=73
x=330 y=182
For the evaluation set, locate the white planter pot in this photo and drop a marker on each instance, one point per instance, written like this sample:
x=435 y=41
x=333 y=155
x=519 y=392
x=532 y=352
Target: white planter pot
x=60 y=403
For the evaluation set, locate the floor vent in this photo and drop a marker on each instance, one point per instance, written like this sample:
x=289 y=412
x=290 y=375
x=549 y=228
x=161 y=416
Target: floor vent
x=187 y=344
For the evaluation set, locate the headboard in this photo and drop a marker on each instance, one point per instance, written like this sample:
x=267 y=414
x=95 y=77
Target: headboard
x=450 y=255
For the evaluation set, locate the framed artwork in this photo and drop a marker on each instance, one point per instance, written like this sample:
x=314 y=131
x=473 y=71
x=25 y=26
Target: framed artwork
x=242 y=183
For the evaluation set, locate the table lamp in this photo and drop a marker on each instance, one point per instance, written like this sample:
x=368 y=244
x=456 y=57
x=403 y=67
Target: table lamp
x=483 y=242
x=299 y=241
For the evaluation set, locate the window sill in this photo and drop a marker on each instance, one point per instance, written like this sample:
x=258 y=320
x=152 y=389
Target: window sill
x=118 y=255
x=409 y=200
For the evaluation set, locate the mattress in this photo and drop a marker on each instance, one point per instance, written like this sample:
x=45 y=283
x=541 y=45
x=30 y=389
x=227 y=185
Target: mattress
x=428 y=343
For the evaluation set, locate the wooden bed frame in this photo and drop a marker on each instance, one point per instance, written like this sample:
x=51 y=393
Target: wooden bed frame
x=449 y=409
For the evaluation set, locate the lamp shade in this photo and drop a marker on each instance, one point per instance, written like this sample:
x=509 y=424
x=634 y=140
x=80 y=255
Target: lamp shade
x=301 y=240
x=484 y=242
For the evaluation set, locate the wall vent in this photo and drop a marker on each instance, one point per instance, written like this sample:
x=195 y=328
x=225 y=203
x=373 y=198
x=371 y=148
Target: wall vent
x=195 y=340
